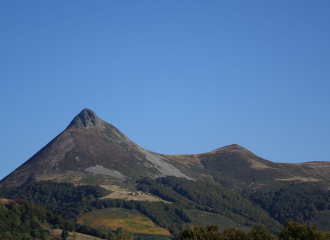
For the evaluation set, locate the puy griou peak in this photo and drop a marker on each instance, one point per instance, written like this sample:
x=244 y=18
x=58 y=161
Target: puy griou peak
x=91 y=146
x=91 y=150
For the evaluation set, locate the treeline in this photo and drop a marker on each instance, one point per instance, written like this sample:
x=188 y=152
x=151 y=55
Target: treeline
x=293 y=230
x=297 y=205
x=211 y=198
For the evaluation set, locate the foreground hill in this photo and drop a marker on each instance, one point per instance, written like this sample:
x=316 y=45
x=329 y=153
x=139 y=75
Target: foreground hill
x=92 y=151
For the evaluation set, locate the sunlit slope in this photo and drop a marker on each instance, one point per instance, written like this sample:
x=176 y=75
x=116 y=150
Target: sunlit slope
x=129 y=220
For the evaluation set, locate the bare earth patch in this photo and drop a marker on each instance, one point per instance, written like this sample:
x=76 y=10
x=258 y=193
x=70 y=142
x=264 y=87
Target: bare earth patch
x=4 y=201
x=257 y=165
x=80 y=236
x=122 y=193
x=301 y=179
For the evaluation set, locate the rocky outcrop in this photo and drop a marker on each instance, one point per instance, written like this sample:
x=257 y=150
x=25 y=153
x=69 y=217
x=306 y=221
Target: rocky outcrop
x=87 y=119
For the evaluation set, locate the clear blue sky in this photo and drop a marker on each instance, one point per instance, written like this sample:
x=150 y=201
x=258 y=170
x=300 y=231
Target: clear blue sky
x=174 y=76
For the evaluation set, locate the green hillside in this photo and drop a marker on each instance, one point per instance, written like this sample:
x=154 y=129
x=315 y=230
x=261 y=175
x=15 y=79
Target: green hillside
x=210 y=198
x=188 y=203
x=201 y=218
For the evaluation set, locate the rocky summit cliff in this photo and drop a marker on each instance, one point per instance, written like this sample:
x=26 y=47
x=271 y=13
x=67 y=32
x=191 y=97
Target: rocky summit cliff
x=92 y=151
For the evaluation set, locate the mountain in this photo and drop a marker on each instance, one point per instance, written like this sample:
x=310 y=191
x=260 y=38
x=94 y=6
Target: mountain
x=173 y=191
x=91 y=150
x=239 y=169
x=91 y=146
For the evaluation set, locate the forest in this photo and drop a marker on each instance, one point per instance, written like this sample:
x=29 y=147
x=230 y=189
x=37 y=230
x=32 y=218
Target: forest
x=62 y=203
x=299 y=205
x=21 y=220
x=292 y=231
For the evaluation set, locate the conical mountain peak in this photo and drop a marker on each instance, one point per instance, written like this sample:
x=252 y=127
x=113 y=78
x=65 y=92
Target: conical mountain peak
x=90 y=146
x=86 y=119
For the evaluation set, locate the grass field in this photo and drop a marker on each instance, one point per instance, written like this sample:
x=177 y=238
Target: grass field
x=128 y=220
x=204 y=218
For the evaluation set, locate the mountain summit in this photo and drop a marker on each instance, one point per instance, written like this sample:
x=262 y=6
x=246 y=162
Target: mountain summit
x=86 y=119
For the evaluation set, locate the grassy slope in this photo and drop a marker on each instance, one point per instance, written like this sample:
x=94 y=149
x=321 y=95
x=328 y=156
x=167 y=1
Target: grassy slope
x=239 y=169
x=129 y=220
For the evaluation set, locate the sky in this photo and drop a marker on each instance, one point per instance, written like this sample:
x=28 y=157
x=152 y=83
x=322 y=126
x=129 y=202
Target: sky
x=176 y=77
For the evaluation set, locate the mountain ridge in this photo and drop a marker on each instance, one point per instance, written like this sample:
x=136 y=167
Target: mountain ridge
x=92 y=148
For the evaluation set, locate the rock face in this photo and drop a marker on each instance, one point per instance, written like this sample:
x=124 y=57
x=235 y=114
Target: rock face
x=88 y=146
x=86 y=119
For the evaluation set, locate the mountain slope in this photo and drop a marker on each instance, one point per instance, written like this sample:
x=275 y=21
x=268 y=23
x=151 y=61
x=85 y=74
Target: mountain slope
x=237 y=168
x=90 y=150
x=90 y=145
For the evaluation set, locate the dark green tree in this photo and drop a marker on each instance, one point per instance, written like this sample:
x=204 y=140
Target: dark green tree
x=64 y=234
x=69 y=226
x=297 y=231
x=200 y=233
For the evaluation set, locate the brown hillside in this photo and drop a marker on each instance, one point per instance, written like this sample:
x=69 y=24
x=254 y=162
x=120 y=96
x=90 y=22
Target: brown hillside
x=90 y=146
x=237 y=168
x=92 y=151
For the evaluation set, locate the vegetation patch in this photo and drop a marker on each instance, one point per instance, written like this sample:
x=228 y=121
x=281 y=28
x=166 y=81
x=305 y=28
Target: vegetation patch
x=302 y=179
x=92 y=179
x=111 y=219
x=152 y=237
x=322 y=220
x=205 y=218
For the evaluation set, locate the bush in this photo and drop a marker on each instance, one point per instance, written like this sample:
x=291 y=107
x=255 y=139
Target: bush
x=65 y=234
x=200 y=233
x=295 y=230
